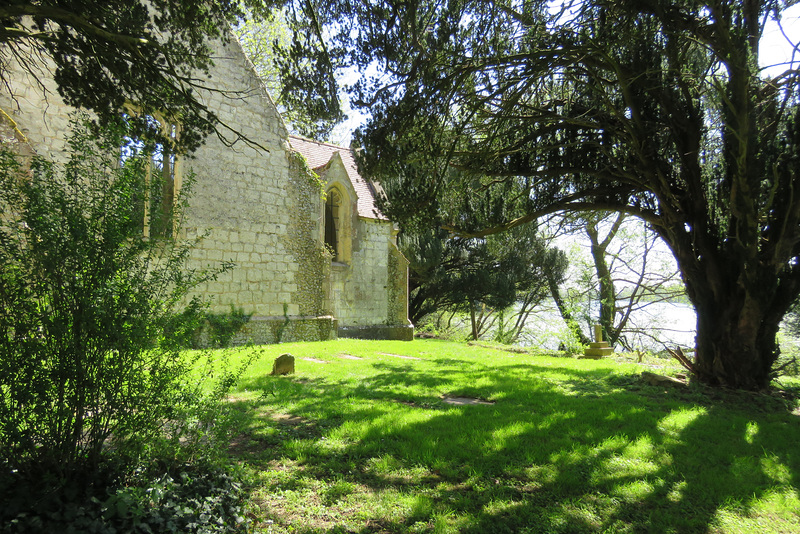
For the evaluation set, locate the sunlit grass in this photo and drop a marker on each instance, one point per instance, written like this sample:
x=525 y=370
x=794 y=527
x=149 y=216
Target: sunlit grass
x=563 y=445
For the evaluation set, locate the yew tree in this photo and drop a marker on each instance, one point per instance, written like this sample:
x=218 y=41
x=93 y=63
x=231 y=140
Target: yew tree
x=452 y=273
x=654 y=108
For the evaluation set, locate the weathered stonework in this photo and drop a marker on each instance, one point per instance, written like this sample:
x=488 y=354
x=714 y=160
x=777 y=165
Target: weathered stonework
x=283 y=365
x=261 y=210
x=368 y=282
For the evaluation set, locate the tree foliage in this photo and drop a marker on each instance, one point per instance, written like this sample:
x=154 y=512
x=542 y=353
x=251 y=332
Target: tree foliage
x=106 y=54
x=656 y=108
x=455 y=274
x=468 y=275
x=478 y=276
x=538 y=263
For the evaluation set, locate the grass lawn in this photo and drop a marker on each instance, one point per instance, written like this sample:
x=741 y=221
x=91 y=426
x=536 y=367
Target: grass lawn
x=360 y=439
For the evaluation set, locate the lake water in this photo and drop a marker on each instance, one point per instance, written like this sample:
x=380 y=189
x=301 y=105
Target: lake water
x=652 y=327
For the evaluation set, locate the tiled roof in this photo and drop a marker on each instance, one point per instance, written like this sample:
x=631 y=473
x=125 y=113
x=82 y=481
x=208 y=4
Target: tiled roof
x=319 y=154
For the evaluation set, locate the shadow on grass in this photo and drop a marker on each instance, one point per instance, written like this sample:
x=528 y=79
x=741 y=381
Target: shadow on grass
x=573 y=454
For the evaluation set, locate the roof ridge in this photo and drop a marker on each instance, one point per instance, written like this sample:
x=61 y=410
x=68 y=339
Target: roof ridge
x=301 y=138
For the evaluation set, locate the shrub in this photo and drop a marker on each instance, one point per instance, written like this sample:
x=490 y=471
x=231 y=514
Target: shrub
x=217 y=329
x=86 y=301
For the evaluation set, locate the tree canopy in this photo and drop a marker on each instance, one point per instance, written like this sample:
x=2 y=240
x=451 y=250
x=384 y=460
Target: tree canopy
x=108 y=53
x=449 y=273
x=655 y=108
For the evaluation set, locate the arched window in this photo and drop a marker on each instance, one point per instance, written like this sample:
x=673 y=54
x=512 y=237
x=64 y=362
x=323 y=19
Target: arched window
x=156 y=208
x=333 y=206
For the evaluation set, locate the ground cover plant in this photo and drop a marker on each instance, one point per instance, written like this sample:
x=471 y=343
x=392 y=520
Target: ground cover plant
x=363 y=438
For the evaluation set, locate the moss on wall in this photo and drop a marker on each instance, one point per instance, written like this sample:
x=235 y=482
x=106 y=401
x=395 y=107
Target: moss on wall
x=397 y=290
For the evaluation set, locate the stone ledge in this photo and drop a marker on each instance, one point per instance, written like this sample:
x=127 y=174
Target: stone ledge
x=263 y=330
x=381 y=331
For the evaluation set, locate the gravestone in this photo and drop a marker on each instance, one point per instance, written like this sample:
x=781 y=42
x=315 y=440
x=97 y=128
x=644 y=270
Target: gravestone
x=283 y=365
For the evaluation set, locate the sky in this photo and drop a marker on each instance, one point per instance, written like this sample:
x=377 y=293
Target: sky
x=780 y=47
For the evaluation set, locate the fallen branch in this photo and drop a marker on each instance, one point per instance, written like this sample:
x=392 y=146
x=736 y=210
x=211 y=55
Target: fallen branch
x=682 y=359
x=777 y=372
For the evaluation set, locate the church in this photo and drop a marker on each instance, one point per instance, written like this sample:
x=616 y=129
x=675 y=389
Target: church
x=315 y=259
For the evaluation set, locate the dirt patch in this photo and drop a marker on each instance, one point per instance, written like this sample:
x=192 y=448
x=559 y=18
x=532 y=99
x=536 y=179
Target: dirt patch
x=421 y=405
x=399 y=356
x=511 y=349
x=464 y=401
x=314 y=360
x=350 y=357
x=251 y=448
x=286 y=419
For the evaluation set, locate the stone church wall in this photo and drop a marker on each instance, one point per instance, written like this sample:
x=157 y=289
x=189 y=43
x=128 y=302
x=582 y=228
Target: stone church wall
x=378 y=268
x=258 y=210
x=257 y=206
x=368 y=290
x=38 y=114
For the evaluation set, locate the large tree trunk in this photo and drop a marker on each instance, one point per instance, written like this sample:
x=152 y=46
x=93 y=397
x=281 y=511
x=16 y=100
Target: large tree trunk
x=738 y=317
x=563 y=309
x=473 y=321
x=736 y=344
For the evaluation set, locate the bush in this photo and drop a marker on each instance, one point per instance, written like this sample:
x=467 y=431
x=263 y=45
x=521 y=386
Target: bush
x=86 y=300
x=218 y=329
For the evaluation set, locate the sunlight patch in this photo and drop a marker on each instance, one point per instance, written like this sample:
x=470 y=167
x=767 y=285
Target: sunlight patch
x=673 y=424
x=627 y=466
x=634 y=491
x=539 y=475
x=499 y=438
x=773 y=467
x=642 y=448
x=779 y=501
x=751 y=432
x=676 y=493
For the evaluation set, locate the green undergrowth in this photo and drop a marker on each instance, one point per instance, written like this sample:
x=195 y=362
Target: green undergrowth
x=190 y=498
x=361 y=439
